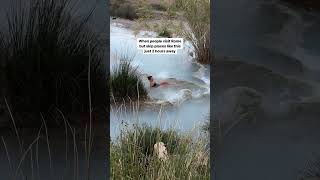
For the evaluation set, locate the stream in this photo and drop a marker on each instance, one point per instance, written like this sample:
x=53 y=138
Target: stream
x=266 y=32
x=183 y=105
x=279 y=37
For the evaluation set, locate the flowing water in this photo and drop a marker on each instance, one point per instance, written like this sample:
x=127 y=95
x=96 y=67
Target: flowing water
x=184 y=103
x=275 y=35
x=265 y=32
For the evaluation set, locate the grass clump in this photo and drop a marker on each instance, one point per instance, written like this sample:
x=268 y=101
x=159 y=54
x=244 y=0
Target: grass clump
x=159 y=7
x=172 y=11
x=126 y=83
x=132 y=157
x=197 y=15
x=178 y=3
x=146 y=136
x=49 y=56
x=164 y=32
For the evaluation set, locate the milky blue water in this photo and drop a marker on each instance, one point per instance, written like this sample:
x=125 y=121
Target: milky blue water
x=183 y=113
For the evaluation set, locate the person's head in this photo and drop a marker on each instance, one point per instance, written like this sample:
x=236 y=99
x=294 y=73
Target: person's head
x=150 y=78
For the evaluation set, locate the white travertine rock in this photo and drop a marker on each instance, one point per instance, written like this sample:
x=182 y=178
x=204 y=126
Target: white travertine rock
x=161 y=151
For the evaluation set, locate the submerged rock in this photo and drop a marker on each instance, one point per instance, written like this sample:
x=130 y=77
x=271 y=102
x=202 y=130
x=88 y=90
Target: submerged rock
x=235 y=105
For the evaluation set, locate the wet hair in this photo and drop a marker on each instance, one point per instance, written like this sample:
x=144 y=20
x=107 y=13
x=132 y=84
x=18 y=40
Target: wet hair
x=149 y=77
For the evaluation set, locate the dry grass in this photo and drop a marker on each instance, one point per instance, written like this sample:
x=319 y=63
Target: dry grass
x=197 y=31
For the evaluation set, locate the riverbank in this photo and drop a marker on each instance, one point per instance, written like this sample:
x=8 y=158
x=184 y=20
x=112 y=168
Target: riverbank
x=144 y=152
x=155 y=25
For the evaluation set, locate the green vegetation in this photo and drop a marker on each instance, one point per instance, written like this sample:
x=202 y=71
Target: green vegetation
x=126 y=83
x=164 y=32
x=178 y=3
x=197 y=15
x=146 y=136
x=206 y=126
x=144 y=9
x=129 y=9
x=172 y=11
x=159 y=7
x=132 y=155
x=123 y=8
x=49 y=58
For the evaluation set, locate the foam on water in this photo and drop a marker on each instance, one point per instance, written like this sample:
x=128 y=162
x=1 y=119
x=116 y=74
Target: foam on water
x=178 y=92
x=185 y=100
x=190 y=79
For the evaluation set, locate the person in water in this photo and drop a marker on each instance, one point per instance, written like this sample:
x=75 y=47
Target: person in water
x=153 y=83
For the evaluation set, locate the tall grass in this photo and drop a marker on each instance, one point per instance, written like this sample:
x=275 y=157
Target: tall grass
x=164 y=32
x=29 y=152
x=126 y=83
x=132 y=157
x=146 y=137
x=52 y=66
x=197 y=15
x=45 y=51
x=159 y=7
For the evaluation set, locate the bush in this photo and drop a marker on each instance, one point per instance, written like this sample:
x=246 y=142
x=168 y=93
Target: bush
x=47 y=52
x=132 y=155
x=123 y=9
x=126 y=83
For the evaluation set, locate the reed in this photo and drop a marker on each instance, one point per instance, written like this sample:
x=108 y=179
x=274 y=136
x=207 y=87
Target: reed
x=45 y=52
x=126 y=82
x=197 y=16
